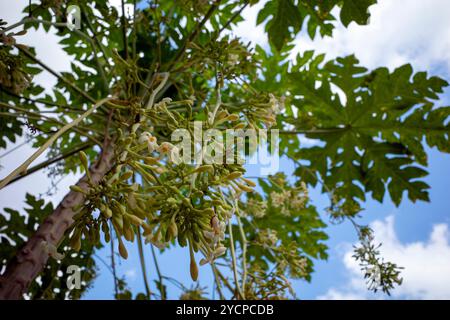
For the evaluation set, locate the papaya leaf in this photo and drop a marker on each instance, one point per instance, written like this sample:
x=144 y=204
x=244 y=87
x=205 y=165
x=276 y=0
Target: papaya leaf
x=374 y=126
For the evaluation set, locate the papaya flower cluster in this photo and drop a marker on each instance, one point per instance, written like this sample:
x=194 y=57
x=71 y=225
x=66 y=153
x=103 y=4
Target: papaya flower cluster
x=142 y=194
x=294 y=199
x=263 y=110
x=267 y=238
x=256 y=208
x=164 y=149
x=215 y=237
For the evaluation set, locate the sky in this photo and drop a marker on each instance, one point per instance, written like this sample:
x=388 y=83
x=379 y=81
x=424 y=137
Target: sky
x=415 y=236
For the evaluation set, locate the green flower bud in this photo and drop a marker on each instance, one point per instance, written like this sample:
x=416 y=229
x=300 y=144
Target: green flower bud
x=233 y=117
x=208 y=211
x=84 y=160
x=106 y=212
x=239 y=126
x=204 y=168
x=117 y=221
x=75 y=241
x=76 y=188
x=128 y=231
x=220 y=251
x=147 y=229
x=151 y=160
x=122 y=250
x=187 y=202
x=173 y=229
x=222 y=115
x=107 y=237
x=127 y=175
x=249 y=182
x=244 y=187
x=193 y=266
x=134 y=220
x=233 y=175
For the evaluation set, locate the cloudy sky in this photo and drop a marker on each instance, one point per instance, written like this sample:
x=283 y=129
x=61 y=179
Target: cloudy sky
x=415 y=236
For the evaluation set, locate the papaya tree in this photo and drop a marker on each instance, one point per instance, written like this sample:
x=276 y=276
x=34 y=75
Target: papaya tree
x=146 y=73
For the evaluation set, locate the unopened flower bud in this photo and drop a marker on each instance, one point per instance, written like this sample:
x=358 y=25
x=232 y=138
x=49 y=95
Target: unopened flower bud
x=193 y=269
x=122 y=250
x=234 y=175
x=220 y=251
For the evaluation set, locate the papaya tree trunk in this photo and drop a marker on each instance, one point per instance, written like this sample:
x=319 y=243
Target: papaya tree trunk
x=32 y=257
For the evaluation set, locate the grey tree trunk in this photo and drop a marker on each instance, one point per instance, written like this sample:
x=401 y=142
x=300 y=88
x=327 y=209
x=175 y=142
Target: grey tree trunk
x=32 y=257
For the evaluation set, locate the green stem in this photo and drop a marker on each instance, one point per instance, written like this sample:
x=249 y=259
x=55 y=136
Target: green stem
x=23 y=167
x=113 y=260
x=142 y=259
x=38 y=116
x=217 y=281
x=244 y=252
x=233 y=257
x=51 y=161
x=160 y=287
x=194 y=33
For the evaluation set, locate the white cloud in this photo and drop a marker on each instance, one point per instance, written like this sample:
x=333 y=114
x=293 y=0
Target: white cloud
x=399 y=32
x=247 y=29
x=426 y=265
x=131 y=274
x=46 y=44
x=50 y=52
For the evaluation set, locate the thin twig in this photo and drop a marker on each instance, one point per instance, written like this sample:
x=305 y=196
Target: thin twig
x=76 y=31
x=194 y=33
x=113 y=260
x=212 y=116
x=16 y=147
x=160 y=277
x=23 y=167
x=57 y=75
x=217 y=281
x=327 y=130
x=47 y=103
x=49 y=162
x=34 y=115
x=244 y=253
x=234 y=16
x=124 y=30
x=233 y=257
x=142 y=260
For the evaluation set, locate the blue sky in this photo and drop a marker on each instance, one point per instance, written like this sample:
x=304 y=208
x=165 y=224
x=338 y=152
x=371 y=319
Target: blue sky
x=415 y=236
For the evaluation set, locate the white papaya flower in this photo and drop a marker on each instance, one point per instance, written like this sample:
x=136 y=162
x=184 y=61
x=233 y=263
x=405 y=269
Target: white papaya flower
x=168 y=149
x=220 y=251
x=277 y=105
x=233 y=59
x=149 y=140
x=52 y=251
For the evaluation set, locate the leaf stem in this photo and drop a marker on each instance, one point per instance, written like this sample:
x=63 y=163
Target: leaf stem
x=23 y=167
x=160 y=286
x=244 y=253
x=49 y=162
x=142 y=260
x=233 y=257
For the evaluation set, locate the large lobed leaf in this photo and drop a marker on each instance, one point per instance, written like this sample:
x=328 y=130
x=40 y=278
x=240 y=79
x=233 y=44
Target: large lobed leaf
x=373 y=126
x=285 y=18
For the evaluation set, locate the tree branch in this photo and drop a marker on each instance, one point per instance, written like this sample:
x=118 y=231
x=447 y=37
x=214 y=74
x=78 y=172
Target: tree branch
x=49 y=162
x=23 y=167
x=32 y=258
x=194 y=33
